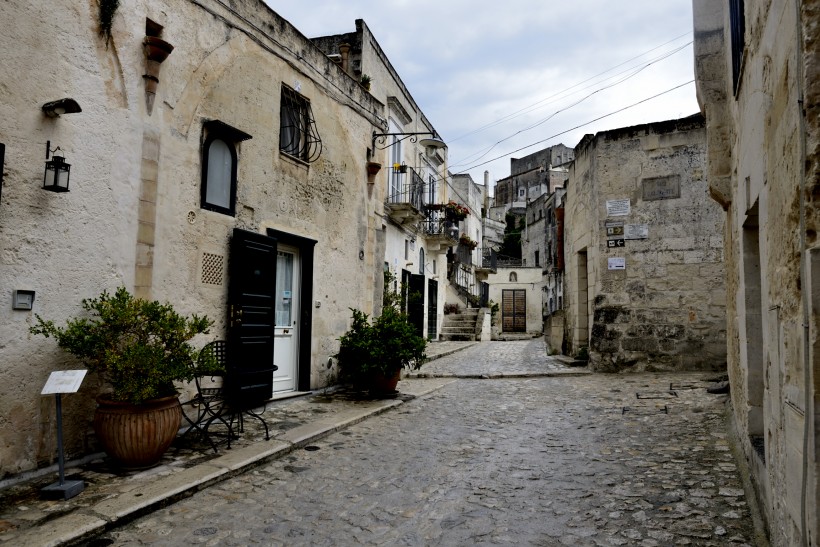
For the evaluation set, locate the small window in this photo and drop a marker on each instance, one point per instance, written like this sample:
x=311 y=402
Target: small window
x=537 y=258
x=737 y=21
x=421 y=261
x=298 y=136
x=513 y=277
x=219 y=167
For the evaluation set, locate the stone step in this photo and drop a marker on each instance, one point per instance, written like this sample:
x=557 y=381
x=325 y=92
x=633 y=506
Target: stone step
x=457 y=337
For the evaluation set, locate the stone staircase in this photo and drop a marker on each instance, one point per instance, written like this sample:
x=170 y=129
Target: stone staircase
x=461 y=326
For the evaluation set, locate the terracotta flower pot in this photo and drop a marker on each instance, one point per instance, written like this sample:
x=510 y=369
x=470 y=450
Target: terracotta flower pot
x=137 y=436
x=383 y=384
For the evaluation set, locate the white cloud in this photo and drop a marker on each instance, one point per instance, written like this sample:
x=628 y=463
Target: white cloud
x=470 y=64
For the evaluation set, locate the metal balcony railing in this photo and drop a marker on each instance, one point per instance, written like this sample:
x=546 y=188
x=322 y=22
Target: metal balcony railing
x=436 y=224
x=489 y=260
x=406 y=187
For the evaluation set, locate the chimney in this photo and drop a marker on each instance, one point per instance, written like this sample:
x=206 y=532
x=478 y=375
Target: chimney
x=344 y=50
x=487 y=192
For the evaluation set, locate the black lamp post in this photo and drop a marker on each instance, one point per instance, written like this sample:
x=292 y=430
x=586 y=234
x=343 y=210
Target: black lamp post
x=57 y=171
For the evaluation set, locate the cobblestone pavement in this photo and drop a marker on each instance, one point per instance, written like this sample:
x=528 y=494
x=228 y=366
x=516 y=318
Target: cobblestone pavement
x=497 y=359
x=572 y=460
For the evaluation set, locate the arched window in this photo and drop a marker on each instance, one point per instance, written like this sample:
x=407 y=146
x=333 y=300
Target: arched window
x=219 y=166
x=513 y=277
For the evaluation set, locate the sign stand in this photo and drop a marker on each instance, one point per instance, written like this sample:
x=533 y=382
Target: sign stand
x=59 y=382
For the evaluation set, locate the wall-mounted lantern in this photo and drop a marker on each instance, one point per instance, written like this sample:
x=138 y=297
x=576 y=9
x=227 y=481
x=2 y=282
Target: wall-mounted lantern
x=57 y=171
x=68 y=105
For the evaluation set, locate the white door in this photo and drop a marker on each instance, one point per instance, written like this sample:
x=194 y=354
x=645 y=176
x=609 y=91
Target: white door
x=286 y=343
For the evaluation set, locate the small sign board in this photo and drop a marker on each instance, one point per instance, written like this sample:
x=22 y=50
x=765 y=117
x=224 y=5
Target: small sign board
x=636 y=231
x=64 y=381
x=617 y=207
x=615 y=231
x=616 y=263
x=615 y=243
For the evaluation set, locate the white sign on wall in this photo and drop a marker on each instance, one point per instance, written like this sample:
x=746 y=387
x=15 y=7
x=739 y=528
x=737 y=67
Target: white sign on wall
x=616 y=263
x=636 y=231
x=617 y=207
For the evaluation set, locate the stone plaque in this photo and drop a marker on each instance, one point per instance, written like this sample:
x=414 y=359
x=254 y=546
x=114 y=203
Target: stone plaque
x=661 y=188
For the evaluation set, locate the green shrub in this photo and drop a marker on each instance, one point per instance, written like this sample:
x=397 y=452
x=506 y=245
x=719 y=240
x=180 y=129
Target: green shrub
x=382 y=346
x=140 y=347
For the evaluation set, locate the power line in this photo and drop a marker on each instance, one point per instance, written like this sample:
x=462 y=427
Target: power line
x=559 y=93
x=635 y=72
x=577 y=126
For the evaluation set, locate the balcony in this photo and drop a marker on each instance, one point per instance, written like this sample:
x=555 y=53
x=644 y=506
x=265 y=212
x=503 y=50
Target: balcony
x=488 y=264
x=440 y=233
x=405 y=196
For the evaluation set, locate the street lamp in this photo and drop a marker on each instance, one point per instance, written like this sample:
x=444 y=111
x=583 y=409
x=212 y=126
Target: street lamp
x=57 y=171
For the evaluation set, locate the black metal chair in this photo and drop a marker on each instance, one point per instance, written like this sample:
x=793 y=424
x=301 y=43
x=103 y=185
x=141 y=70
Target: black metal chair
x=209 y=401
x=219 y=403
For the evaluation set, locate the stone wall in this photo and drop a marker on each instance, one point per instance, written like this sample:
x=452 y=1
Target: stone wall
x=638 y=213
x=763 y=170
x=133 y=216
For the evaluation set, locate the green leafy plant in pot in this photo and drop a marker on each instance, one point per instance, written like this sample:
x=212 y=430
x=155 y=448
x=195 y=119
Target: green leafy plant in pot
x=141 y=348
x=373 y=352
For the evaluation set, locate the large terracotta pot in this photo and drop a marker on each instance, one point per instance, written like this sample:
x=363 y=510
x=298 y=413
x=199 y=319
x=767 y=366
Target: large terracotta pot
x=137 y=436
x=384 y=384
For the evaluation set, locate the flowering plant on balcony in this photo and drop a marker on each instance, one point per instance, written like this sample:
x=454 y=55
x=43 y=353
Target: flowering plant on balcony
x=467 y=242
x=455 y=211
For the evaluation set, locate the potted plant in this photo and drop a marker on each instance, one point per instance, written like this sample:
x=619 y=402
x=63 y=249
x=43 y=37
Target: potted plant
x=455 y=212
x=366 y=80
x=373 y=353
x=466 y=241
x=141 y=348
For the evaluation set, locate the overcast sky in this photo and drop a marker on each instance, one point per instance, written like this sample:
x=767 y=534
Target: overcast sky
x=511 y=71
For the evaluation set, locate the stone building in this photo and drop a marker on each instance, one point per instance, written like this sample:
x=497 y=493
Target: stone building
x=414 y=231
x=757 y=81
x=534 y=175
x=244 y=131
x=644 y=278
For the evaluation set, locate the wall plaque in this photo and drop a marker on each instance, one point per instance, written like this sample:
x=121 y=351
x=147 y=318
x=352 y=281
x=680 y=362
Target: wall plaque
x=661 y=188
x=617 y=207
x=636 y=231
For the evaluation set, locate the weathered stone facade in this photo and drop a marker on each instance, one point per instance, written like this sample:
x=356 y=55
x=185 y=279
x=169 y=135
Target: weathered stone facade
x=134 y=214
x=756 y=65
x=644 y=253
x=412 y=177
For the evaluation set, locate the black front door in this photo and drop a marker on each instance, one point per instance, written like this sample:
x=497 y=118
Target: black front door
x=432 y=309
x=251 y=317
x=415 y=302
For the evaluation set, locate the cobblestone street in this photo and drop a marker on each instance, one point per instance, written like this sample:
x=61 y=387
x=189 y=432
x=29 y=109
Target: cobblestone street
x=572 y=460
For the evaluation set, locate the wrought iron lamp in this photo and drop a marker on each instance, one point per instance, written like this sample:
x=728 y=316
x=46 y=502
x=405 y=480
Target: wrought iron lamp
x=57 y=171
x=68 y=105
x=433 y=141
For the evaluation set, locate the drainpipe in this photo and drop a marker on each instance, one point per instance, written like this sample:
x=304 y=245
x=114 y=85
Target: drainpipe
x=808 y=416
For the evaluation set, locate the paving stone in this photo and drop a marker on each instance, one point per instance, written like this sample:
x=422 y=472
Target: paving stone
x=529 y=457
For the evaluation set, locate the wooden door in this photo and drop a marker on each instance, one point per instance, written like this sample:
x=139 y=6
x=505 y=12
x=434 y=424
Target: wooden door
x=251 y=317
x=514 y=310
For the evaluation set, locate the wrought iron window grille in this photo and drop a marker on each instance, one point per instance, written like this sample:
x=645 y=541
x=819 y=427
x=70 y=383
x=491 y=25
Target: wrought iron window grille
x=298 y=135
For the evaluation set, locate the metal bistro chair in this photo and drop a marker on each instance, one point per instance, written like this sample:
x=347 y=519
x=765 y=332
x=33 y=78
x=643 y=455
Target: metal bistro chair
x=220 y=403
x=209 y=400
